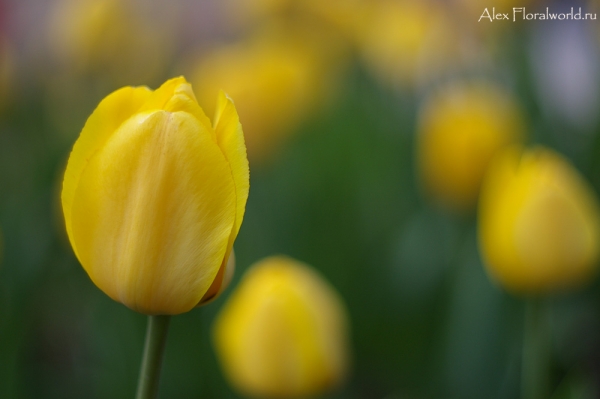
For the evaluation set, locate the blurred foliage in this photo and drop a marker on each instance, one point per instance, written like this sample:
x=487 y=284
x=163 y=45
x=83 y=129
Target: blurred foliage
x=341 y=193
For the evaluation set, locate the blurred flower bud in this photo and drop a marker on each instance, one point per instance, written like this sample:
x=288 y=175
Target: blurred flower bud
x=283 y=333
x=460 y=129
x=273 y=81
x=154 y=196
x=406 y=39
x=539 y=222
x=348 y=17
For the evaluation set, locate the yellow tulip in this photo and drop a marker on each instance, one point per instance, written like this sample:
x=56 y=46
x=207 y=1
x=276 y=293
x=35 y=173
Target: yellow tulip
x=341 y=15
x=539 y=222
x=460 y=129
x=283 y=332
x=401 y=41
x=273 y=81
x=348 y=17
x=154 y=195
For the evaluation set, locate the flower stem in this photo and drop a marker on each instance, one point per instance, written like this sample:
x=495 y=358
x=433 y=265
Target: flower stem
x=536 y=352
x=156 y=338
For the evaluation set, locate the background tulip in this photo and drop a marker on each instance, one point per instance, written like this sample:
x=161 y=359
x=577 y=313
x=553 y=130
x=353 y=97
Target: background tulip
x=539 y=222
x=283 y=333
x=460 y=129
x=274 y=82
x=403 y=40
x=154 y=196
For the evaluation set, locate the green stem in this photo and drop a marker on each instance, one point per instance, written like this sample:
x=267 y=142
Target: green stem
x=536 y=352
x=156 y=338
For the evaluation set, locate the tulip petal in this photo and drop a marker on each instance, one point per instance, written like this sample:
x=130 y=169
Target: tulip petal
x=221 y=281
x=106 y=118
x=230 y=139
x=177 y=95
x=538 y=222
x=283 y=332
x=153 y=213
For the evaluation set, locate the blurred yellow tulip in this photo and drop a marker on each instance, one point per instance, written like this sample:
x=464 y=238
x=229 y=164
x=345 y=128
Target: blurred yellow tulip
x=340 y=18
x=460 y=129
x=283 y=332
x=110 y=39
x=405 y=40
x=346 y=17
x=539 y=222
x=154 y=196
x=273 y=81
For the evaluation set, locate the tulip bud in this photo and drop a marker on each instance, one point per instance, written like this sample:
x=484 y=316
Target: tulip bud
x=273 y=81
x=154 y=195
x=405 y=39
x=460 y=130
x=283 y=332
x=539 y=222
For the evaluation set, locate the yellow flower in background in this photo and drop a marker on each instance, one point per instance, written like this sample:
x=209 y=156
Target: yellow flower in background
x=460 y=129
x=109 y=38
x=406 y=40
x=539 y=222
x=338 y=18
x=274 y=82
x=283 y=332
x=154 y=196
x=347 y=16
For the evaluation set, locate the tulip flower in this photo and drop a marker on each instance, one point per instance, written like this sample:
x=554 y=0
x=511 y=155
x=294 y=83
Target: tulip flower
x=402 y=40
x=154 y=195
x=283 y=332
x=460 y=129
x=273 y=81
x=347 y=17
x=539 y=223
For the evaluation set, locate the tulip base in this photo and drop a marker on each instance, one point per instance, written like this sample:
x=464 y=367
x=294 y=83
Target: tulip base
x=154 y=346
